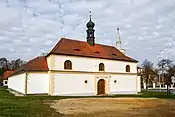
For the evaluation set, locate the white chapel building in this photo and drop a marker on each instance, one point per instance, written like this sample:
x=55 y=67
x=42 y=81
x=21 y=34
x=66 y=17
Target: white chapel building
x=78 y=68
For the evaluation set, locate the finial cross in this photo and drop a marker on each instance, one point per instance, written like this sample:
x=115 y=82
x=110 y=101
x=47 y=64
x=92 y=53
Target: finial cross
x=90 y=15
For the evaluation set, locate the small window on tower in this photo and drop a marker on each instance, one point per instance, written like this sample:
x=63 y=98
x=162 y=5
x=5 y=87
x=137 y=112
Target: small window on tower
x=91 y=34
x=115 y=81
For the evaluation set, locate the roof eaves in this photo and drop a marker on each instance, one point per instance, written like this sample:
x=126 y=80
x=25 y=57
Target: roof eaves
x=133 y=60
x=18 y=72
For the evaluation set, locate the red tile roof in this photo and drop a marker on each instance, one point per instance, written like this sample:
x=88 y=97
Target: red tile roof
x=7 y=74
x=74 y=48
x=80 y=48
x=36 y=64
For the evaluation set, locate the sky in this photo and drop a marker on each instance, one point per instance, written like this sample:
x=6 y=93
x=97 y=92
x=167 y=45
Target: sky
x=29 y=28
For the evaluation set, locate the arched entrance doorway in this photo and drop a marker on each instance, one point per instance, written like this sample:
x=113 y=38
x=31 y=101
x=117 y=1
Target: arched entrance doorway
x=101 y=87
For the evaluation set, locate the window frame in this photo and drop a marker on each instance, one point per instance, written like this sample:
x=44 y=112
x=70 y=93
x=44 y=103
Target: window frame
x=101 y=67
x=67 y=65
x=128 y=68
x=5 y=82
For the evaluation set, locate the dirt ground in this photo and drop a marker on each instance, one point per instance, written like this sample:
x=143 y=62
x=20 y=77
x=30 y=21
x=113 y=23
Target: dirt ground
x=115 y=107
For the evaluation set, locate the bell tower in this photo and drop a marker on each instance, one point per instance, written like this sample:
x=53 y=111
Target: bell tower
x=90 y=31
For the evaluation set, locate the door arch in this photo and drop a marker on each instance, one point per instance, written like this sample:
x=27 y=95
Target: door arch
x=101 y=87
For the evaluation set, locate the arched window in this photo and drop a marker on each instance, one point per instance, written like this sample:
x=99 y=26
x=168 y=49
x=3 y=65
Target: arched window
x=67 y=64
x=101 y=67
x=127 y=68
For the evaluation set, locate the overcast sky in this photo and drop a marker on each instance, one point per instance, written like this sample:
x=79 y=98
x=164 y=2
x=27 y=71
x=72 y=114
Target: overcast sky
x=30 y=27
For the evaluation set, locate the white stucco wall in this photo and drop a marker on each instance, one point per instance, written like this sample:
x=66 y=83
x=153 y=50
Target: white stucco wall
x=37 y=83
x=125 y=84
x=138 y=84
x=17 y=82
x=89 y=64
x=73 y=84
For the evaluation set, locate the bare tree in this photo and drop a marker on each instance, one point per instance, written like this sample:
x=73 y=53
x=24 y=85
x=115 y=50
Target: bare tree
x=171 y=72
x=148 y=71
x=164 y=65
x=9 y=65
x=4 y=63
x=15 y=64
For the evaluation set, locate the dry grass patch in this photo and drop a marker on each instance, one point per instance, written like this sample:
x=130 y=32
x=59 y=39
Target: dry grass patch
x=115 y=107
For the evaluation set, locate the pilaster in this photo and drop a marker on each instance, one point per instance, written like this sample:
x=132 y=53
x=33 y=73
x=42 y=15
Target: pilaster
x=25 y=87
x=51 y=83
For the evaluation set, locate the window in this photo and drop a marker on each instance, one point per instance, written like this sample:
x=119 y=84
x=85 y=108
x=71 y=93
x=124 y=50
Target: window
x=77 y=49
x=5 y=82
x=101 y=67
x=67 y=64
x=97 y=52
x=85 y=81
x=127 y=68
x=115 y=81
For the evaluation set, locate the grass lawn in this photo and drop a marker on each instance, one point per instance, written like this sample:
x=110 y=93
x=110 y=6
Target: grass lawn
x=39 y=106
x=31 y=106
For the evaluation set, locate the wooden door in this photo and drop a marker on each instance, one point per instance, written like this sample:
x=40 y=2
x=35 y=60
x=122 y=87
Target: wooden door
x=101 y=87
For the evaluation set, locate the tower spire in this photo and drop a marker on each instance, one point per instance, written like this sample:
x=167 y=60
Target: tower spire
x=90 y=15
x=118 y=42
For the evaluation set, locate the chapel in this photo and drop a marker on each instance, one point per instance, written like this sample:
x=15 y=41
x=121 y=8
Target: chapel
x=79 y=68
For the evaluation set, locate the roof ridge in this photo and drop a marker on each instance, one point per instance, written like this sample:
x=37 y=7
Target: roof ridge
x=64 y=38
x=85 y=42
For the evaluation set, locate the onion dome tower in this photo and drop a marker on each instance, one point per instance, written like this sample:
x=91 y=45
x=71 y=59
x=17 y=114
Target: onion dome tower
x=90 y=31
